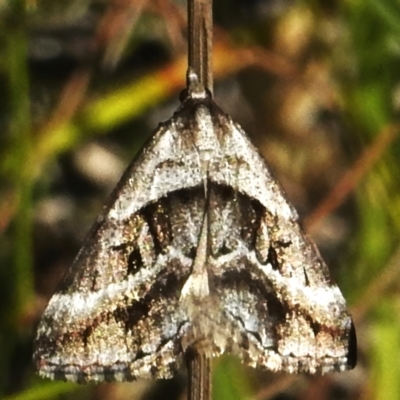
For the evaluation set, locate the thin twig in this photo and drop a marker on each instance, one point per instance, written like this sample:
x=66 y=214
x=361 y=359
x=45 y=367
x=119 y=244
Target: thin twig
x=200 y=41
x=200 y=62
x=380 y=286
x=199 y=375
x=352 y=177
x=116 y=28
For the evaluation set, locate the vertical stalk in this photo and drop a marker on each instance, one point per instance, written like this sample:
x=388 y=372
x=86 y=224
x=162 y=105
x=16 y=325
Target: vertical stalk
x=21 y=131
x=200 y=62
x=199 y=374
x=200 y=41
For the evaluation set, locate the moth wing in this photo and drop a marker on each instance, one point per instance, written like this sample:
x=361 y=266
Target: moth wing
x=268 y=276
x=116 y=313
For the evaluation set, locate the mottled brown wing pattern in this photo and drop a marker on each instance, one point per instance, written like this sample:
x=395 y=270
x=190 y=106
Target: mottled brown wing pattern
x=196 y=223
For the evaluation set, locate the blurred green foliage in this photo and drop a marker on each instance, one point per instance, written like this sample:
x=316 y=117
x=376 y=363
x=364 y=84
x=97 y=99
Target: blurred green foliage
x=298 y=75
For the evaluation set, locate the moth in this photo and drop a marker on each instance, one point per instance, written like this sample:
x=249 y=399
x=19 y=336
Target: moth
x=197 y=247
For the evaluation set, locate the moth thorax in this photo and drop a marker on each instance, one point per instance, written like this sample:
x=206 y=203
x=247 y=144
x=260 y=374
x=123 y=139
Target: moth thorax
x=204 y=133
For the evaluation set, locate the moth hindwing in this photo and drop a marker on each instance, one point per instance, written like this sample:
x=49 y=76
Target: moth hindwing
x=197 y=246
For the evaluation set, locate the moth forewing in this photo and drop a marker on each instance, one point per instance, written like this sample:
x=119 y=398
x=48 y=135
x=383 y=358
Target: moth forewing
x=198 y=246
